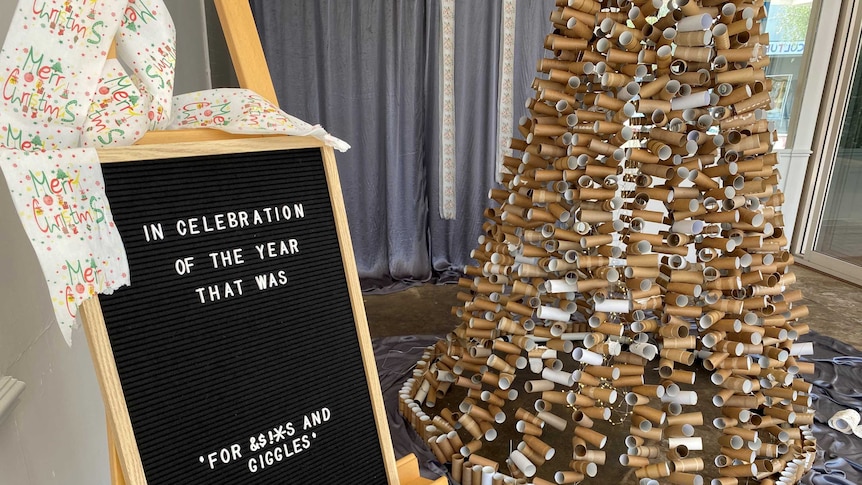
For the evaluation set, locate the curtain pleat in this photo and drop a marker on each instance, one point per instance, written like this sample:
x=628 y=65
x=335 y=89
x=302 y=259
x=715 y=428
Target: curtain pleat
x=368 y=71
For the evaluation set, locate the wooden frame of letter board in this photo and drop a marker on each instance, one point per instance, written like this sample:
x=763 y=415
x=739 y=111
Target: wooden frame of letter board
x=97 y=332
x=252 y=73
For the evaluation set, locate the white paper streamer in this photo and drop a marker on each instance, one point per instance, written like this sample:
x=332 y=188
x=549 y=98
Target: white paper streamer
x=60 y=92
x=241 y=111
x=60 y=198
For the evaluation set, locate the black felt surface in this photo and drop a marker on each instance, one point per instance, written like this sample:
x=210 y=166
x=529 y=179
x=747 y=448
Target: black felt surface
x=199 y=377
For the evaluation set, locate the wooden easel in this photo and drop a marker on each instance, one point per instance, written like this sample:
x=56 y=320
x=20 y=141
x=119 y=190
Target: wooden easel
x=252 y=72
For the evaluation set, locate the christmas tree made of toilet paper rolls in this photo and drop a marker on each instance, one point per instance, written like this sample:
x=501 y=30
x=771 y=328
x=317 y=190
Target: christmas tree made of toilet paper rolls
x=638 y=229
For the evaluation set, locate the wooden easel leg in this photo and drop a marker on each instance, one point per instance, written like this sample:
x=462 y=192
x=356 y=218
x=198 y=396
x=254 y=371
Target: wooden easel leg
x=117 y=477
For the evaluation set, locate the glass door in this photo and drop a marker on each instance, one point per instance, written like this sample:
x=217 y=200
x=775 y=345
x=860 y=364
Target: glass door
x=834 y=240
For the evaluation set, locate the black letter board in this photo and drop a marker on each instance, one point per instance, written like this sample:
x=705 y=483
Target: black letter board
x=240 y=352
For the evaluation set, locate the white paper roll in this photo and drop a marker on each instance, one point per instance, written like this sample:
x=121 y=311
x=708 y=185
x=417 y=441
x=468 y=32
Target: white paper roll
x=536 y=365
x=687 y=226
x=695 y=22
x=552 y=313
x=802 y=348
x=523 y=463
x=560 y=286
x=696 y=100
x=576 y=336
x=587 y=356
x=687 y=398
x=694 y=443
x=845 y=420
x=548 y=354
x=646 y=350
x=488 y=475
x=614 y=306
x=560 y=377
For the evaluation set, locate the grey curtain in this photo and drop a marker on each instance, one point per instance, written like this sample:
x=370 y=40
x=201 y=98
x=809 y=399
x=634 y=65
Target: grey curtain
x=368 y=71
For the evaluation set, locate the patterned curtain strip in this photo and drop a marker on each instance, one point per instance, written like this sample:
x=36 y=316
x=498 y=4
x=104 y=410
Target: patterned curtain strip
x=506 y=88
x=447 y=109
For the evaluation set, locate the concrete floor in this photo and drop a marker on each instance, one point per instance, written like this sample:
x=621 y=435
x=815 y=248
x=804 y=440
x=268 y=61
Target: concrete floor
x=835 y=310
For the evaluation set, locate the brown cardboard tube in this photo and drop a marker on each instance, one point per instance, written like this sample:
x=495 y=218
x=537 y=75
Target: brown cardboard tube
x=472 y=427
x=738 y=76
x=683 y=478
x=660 y=149
x=476 y=472
x=445 y=446
x=605 y=100
x=471 y=448
x=694 y=464
x=483 y=461
x=759 y=100
x=457 y=467
x=656 y=416
x=586 y=6
x=595 y=456
x=556 y=397
x=654 y=87
x=650 y=105
x=739 y=26
x=746 y=470
x=694 y=419
x=678 y=355
x=646 y=451
x=634 y=461
x=528 y=417
x=612 y=79
x=695 y=54
x=528 y=428
x=509 y=326
x=654 y=470
x=697 y=38
x=782 y=414
x=597 y=413
x=736 y=363
x=689 y=311
x=480 y=414
x=590 y=436
x=543 y=449
x=559 y=42
x=540 y=481
x=725 y=481
x=604 y=394
x=739 y=54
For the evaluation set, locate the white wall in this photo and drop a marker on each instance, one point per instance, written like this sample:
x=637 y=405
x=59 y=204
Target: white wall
x=56 y=435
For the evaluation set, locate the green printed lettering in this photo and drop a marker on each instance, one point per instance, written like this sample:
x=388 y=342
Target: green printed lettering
x=100 y=214
x=32 y=61
x=155 y=76
x=110 y=136
x=69 y=116
x=95 y=36
x=40 y=182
